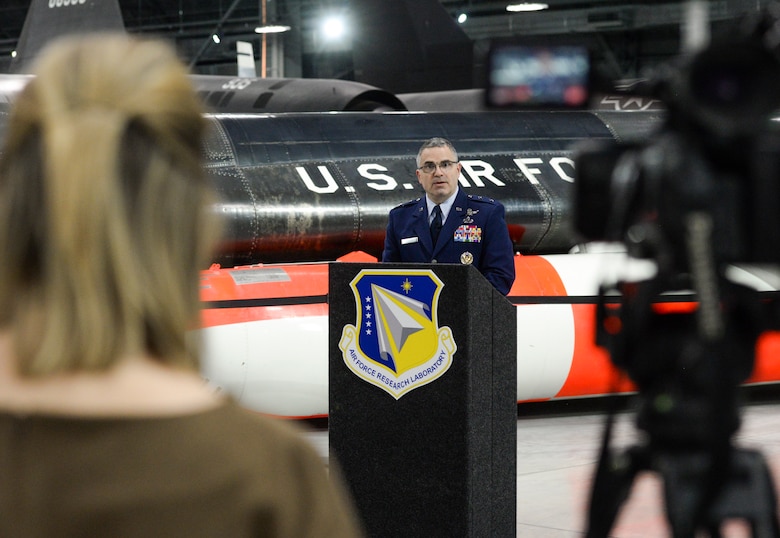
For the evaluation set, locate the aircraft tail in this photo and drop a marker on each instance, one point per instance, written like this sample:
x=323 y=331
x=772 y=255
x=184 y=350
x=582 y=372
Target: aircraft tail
x=49 y=19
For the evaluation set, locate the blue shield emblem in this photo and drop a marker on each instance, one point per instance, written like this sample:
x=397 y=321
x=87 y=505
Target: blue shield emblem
x=396 y=342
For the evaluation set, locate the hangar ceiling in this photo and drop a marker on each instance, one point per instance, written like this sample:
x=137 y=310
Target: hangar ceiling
x=630 y=35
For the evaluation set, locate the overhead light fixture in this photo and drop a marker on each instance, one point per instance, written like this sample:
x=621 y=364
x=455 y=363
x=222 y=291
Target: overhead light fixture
x=215 y=38
x=13 y=54
x=333 y=28
x=462 y=18
x=527 y=6
x=272 y=29
x=607 y=19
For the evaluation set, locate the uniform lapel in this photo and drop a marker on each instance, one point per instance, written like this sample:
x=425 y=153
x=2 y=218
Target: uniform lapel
x=420 y=225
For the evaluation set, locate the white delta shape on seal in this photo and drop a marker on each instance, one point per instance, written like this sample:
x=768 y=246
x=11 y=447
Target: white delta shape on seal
x=413 y=350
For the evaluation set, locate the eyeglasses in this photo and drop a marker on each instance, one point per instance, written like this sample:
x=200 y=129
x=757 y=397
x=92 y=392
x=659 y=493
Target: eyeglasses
x=430 y=167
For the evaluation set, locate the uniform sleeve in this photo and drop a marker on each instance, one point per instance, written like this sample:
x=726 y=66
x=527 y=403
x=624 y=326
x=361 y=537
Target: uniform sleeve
x=498 y=263
x=392 y=252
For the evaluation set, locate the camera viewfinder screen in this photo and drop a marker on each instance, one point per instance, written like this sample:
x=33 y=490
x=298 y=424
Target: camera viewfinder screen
x=525 y=76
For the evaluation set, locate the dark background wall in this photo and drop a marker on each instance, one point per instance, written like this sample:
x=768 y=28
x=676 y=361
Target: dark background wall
x=403 y=45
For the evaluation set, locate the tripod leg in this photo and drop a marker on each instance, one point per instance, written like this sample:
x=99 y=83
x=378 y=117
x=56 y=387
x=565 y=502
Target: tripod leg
x=615 y=474
x=749 y=494
x=614 y=477
x=714 y=531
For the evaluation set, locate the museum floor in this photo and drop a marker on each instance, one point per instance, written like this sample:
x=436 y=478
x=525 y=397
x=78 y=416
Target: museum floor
x=557 y=451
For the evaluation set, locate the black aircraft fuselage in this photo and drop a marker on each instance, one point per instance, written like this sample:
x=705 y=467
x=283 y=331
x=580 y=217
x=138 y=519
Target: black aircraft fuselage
x=308 y=169
x=309 y=187
x=260 y=95
x=315 y=186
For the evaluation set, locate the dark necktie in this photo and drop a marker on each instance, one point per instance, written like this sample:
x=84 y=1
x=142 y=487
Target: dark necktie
x=436 y=224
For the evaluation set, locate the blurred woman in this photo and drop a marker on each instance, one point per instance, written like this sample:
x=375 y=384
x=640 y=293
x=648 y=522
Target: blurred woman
x=106 y=428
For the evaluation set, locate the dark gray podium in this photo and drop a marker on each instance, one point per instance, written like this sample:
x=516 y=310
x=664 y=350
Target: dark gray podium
x=423 y=411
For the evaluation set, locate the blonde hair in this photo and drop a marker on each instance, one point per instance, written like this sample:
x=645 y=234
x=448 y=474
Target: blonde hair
x=105 y=208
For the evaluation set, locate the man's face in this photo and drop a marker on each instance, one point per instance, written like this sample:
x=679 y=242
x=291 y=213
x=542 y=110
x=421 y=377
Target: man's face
x=440 y=183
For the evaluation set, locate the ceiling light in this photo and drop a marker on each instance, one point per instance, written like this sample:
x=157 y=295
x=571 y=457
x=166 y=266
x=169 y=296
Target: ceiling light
x=272 y=29
x=215 y=38
x=528 y=6
x=333 y=28
x=462 y=18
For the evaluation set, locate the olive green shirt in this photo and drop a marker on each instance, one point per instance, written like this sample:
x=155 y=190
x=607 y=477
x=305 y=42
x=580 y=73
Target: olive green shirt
x=220 y=473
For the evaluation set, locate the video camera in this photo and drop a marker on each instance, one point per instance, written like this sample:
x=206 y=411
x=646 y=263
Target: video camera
x=700 y=194
x=717 y=154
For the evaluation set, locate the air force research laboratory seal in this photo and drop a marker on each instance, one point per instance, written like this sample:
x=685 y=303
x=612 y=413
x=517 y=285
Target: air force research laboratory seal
x=397 y=344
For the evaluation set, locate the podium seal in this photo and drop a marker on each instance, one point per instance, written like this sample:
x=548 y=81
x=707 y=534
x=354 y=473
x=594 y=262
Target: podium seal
x=396 y=342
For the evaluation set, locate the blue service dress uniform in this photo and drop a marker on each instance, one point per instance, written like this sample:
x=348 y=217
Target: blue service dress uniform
x=475 y=232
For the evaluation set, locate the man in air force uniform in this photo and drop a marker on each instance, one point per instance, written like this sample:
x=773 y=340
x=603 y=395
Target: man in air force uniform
x=449 y=226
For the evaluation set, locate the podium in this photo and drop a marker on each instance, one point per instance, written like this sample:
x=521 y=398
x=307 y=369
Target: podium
x=423 y=405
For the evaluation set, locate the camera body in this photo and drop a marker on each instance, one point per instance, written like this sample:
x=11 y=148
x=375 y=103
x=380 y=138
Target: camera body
x=701 y=193
x=716 y=153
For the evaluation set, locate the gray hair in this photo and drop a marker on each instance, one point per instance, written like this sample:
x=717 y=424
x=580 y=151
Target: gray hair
x=436 y=142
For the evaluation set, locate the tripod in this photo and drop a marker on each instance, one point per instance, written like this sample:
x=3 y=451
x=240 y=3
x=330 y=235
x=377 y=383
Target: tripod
x=688 y=392
x=746 y=491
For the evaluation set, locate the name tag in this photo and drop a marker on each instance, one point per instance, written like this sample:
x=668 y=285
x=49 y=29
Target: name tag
x=468 y=234
x=408 y=240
